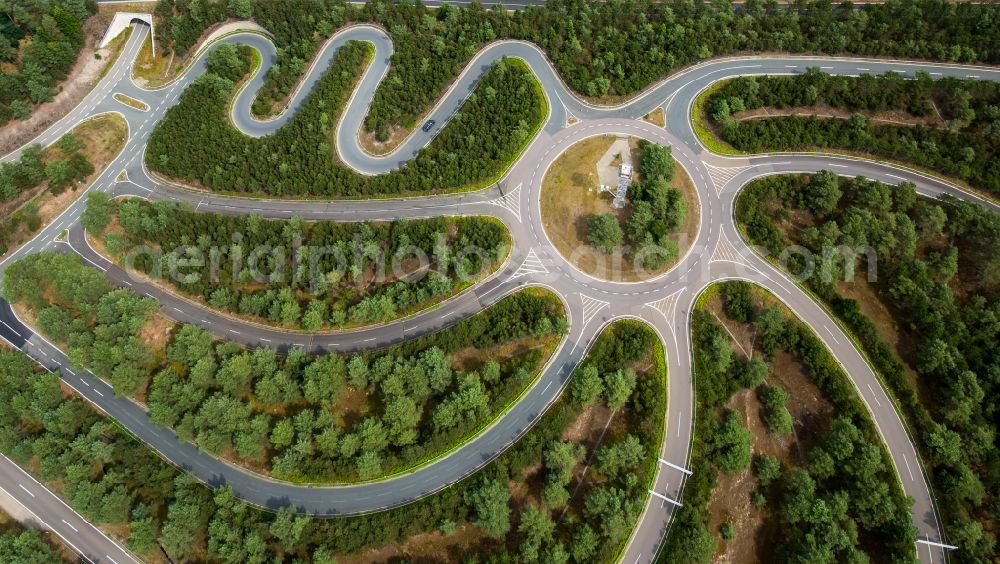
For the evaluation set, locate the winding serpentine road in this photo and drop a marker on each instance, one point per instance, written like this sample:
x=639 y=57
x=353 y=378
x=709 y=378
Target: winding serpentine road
x=717 y=253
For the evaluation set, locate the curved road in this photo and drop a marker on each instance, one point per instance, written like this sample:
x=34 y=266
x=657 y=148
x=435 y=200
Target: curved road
x=718 y=252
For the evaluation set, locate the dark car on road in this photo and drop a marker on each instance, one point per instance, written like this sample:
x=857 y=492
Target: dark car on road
x=427 y=126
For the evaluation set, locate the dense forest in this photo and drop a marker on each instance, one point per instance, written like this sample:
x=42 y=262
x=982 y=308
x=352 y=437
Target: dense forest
x=838 y=500
x=312 y=275
x=319 y=418
x=937 y=273
x=20 y=544
x=196 y=140
x=599 y=48
x=657 y=211
x=563 y=511
x=963 y=141
x=39 y=42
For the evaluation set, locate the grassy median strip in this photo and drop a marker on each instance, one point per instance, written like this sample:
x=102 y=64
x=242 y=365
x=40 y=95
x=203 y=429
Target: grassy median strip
x=131 y=102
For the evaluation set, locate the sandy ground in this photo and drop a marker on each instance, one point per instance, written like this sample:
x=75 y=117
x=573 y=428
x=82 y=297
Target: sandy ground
x=656 y=117
x=103 y=138
x=81 y=79
x=825 y=111
x=756 y=532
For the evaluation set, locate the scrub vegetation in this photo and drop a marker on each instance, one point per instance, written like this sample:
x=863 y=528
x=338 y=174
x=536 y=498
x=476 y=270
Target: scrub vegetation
x=839 y=500
x=937 y=275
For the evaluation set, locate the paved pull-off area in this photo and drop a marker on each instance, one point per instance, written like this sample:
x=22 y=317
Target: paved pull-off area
x=718 y=253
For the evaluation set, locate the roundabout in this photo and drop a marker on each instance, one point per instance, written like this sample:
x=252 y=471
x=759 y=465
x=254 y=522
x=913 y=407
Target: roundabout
x=710 y=250
x=587 y=181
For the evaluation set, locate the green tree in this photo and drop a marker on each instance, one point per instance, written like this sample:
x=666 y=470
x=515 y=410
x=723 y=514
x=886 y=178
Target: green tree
x=288 y=527
x=622 y=455
x=585 y=385
x=96 y=217
x=767 y=469
x=604 y=232
x=489 y=501
x=618 y=387
x=823 y=193
x=731 y=444
x=226 y=60
x=656 y=163
x=585 y=543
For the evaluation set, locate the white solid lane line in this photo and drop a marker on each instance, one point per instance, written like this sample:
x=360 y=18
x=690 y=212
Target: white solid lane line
x=907 y=463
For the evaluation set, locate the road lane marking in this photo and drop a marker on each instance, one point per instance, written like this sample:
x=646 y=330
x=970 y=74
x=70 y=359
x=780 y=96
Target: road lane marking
x=937 y=544
x=874 y=395
x=26 y=490
x=907 y=463
x=70 y=526
x=834 y=337
x=676 y=467
x=667 y=499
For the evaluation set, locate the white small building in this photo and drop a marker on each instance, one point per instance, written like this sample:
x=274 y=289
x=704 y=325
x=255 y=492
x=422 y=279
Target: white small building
x=625 y=171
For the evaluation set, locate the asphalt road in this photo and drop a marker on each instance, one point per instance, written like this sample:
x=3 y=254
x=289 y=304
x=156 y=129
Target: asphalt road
x=52 y=514
x=718 y=253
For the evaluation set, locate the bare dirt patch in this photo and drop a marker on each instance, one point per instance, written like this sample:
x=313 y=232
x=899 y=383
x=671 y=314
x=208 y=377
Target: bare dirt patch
x=893 y=117
x=156 y=333
x=589 y=425
x=370 y=143
x=471 y=358
x=425 y=547
x=730 y=503
x=571 y=196
x=352 y=405
x=755 y=532
x=656 y=117
x=153 y=69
